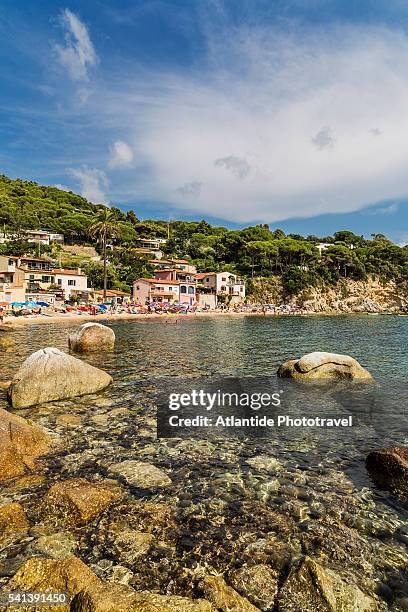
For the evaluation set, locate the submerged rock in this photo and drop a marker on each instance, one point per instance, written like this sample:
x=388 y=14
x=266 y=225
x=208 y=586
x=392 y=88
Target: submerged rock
x=56 y=545
x=318 y=589
x=224 y=597
x=50 y=374
x=69 y=420
x=12 y=520
x=91 y=337
x=130 y=544
x=77 y=501
x=20 y=444
x=389 y=468
x=258 y=583
x=120 y=598
x=69 y=575
x=88 y=593
x=319 y=365
x=140 y=474
x=105 y=597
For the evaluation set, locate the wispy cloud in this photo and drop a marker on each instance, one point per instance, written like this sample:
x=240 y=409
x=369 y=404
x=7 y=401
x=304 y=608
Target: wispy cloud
x=192 y=189
x=324 y=139
x=121 y=155
x=237 y=166
x=77 y=55
x=93 y=183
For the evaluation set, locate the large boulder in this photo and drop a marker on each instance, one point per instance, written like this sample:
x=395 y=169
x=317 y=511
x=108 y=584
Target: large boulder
x=320 y=365
x=91 y=337
x=313 y=587
x=49 y=375
x=20 y=444
x=389 y=468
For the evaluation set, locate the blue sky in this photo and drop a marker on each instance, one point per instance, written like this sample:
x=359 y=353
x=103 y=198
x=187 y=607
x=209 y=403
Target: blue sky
x=292 y=113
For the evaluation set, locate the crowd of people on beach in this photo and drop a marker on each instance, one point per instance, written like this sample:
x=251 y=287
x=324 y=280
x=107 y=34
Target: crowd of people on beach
x=156 y=308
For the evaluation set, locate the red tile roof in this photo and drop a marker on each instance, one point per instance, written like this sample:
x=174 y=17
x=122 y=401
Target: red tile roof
x=68 y=272
x=156 y=281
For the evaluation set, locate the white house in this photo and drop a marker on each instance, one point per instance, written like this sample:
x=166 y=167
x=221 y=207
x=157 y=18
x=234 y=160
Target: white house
x=221 y=283
x=70 y=281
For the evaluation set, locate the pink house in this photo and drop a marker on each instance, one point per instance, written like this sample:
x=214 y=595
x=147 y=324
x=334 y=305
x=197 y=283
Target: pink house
x=146 y=290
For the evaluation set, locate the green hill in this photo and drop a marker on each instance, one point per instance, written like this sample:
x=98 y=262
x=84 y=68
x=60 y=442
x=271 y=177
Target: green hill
x=255 y=251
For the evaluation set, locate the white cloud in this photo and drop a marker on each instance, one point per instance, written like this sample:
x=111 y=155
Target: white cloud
x=293 y=115
x=121 y=155
x=77 y=55
x=60 y=186
x=93 y=183
x=386 y=209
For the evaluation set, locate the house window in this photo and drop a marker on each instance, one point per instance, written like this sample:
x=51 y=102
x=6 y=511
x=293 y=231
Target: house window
x=71 y=282
x=241 y=288
x=183 y=289
x=207 y=280
x=223 y=288
x=224 y=279
x=137 y=288
x=11 y=262
x=59 y=281
x=45 y=279
x=31 y=277
x=191 y=289
x=170 y=288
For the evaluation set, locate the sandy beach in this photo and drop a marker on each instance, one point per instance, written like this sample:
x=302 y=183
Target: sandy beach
x=123 y=316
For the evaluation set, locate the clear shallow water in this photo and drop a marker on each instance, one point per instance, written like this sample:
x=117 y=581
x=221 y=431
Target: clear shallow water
x=233 y=346
x=318 y=499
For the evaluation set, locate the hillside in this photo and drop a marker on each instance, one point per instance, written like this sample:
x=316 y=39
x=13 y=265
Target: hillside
x=295 y=262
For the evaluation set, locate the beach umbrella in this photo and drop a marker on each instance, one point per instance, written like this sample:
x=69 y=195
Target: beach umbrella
x=42 y=304
x=103 y=306
x=18 y=303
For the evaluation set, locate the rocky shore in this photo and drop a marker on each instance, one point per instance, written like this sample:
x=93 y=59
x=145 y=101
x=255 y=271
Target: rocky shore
x=348 y=296
x=94 y=505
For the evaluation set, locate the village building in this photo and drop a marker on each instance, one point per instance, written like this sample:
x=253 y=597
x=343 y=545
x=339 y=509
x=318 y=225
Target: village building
x=181 y=264
x=114 y=296
x=44 y=237
x=71 y=282
x=150 y=246
x=12 y=285
x=187 y=284
x=40 y=275
x=222 y=285
x=41 y=297
x=146 y=290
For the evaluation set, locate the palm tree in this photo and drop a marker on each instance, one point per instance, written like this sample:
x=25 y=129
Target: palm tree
x=103 y=228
